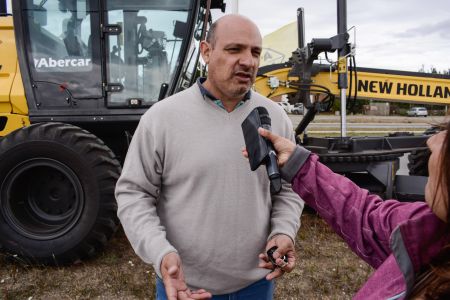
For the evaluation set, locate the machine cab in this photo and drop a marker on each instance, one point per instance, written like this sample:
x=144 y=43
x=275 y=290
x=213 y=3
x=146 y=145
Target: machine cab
x=104 y=57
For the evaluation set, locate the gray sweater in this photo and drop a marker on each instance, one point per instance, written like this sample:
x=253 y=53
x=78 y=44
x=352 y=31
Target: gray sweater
x=185 y=187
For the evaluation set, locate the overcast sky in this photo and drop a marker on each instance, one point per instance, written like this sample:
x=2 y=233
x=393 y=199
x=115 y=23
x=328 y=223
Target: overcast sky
x=398 y=35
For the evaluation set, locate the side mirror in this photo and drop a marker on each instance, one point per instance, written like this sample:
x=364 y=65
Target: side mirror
x=215 y=4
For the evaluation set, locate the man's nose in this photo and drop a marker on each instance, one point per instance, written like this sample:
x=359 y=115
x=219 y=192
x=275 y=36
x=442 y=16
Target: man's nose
x=247 y=59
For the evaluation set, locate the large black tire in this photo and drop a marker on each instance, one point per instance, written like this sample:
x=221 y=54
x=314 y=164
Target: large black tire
x=57 y=201
x=418 y=162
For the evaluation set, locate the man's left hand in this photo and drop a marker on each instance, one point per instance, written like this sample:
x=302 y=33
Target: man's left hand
x=285 y=247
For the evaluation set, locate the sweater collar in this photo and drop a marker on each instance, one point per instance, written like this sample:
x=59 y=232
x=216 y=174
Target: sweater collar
x=208 y=94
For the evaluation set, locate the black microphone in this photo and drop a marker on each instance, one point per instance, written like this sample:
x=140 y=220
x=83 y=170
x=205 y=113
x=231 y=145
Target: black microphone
x=271 y=159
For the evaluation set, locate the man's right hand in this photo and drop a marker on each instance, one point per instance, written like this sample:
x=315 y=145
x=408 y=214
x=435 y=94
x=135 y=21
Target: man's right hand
x=173 y=278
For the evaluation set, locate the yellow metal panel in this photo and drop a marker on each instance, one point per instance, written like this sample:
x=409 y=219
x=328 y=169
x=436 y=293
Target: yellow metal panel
x=8 y=62
x=371 y=85
x=392 y=87
x=278 y=45
x=4 y=107
x=327 y=80
x=262 y=83
x=13 y=122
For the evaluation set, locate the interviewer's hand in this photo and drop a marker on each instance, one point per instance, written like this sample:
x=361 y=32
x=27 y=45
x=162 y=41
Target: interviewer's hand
x=174 y=282
x=283 y=146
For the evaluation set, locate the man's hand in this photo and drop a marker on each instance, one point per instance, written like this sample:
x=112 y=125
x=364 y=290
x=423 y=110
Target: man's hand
x=285 y=247
x=174 y=283
x=283 y=146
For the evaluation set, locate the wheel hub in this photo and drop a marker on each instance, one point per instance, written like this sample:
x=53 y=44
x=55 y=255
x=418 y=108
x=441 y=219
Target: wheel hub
x=43 y=198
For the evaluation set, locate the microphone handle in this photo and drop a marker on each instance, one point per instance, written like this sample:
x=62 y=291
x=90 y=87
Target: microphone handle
x=272 y=166
x=272 y=171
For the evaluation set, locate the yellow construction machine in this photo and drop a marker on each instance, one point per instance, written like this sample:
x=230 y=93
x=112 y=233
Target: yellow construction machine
x=75 y=78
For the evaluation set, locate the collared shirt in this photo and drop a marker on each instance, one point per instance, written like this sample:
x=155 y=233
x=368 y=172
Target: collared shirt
x=218 y=102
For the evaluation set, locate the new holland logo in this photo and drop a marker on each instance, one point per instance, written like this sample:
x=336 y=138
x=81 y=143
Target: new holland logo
x=40 y=63
x=406 y=89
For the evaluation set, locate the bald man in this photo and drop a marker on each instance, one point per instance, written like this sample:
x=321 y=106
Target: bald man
x=188 y=201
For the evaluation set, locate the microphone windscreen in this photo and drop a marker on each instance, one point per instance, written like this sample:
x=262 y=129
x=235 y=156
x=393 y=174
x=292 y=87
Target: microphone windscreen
x=264 y=116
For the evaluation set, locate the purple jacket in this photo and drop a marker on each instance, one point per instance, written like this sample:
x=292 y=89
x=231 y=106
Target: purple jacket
x=395 y=238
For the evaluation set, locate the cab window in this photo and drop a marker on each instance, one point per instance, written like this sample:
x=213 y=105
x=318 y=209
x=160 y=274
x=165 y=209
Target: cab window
x=60 y=32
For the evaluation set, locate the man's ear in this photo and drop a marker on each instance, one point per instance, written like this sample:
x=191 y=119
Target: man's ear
x=205 y=50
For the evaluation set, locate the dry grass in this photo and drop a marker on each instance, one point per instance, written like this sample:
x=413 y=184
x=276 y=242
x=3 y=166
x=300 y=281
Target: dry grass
x=326 y=269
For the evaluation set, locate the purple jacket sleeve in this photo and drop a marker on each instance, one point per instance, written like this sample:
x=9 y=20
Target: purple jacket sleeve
x=363 y=220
